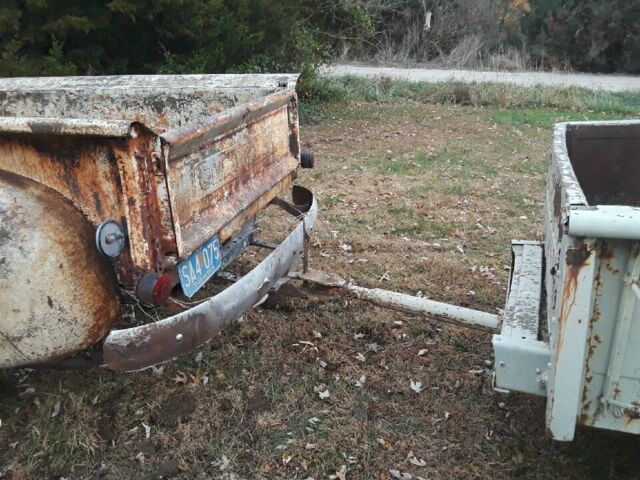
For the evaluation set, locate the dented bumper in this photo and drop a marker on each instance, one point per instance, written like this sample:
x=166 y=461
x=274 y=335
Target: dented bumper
x=139 y=347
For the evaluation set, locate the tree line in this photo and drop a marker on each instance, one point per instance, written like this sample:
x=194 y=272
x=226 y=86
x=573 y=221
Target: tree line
x=75 y=37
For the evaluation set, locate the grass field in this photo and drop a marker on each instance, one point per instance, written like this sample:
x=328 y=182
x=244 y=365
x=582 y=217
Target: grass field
x=419 y=193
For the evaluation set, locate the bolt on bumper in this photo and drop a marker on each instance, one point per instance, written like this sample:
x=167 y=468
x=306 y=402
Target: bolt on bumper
x=140 y=347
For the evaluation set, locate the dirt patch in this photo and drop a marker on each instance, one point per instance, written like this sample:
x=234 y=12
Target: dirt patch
x=106 y=425
x=258 y=402
x=177 y=408
x=168 y=469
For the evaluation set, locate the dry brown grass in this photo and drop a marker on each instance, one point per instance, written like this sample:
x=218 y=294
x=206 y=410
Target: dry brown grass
x=402 y=184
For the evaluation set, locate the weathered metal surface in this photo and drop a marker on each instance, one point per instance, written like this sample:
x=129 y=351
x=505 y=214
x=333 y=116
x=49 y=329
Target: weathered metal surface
x=96 y=142
x=105 y=178
x=227 y=166
x=525 y=291
x=605 y=221
x=161 y=102
x=405 y=303
x=91 y=140
x=590 y=250
x=57 y=294
x=138 y=347
x=521 y=358
x=68 y=126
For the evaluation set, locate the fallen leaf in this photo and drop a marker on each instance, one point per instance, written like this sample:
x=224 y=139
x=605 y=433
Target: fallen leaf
x=423 y=352
x=180 y=377
x=413 y=460
x=360 y=357
x=56 y=409
x=416 y=386
x=386 y=445
x=402 y=476
x=374 y=347
x=223 y=463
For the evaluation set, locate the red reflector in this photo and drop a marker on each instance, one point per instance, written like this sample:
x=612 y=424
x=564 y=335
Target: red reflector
x=162 y=289
x=154 y=288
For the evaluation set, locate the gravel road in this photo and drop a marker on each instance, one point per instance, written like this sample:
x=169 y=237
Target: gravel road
x=612 y=83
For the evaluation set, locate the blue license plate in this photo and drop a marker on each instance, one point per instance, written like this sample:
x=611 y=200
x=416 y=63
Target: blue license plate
x=200 y=267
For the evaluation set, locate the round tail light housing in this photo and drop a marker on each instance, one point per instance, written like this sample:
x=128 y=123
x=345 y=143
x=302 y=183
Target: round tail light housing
x=154 y=288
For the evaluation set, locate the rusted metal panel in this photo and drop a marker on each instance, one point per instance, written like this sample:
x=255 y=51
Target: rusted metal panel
x=105 y=178
x=68 y=126
x=161 y=102
x=569 y=346
x=227 y=166
x=57 y=295
x=110 y=165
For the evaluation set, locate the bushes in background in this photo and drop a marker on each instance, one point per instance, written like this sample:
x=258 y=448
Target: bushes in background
x=591 y=35
x=62 y=37
x=587 y=35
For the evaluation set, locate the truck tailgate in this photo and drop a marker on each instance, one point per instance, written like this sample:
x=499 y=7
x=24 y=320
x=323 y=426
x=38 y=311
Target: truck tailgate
x=223 y=169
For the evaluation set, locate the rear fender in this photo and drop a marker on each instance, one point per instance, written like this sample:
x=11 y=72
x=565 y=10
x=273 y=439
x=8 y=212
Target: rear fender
x=57 y=294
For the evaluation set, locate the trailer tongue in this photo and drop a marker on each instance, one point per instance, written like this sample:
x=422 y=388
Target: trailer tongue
x=402 y=302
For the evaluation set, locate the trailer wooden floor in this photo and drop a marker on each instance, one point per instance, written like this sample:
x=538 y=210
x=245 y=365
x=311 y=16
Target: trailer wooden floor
x=415 y=197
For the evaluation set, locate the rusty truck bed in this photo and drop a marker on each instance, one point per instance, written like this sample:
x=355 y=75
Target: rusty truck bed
x=177 y=159
x=171 y=163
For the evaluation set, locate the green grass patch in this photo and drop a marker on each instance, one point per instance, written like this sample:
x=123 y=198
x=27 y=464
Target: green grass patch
x=418 y=161
x=530 y=117
x=405 y=220
x=332 y=200
x=440 y=230
x=566 y=103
